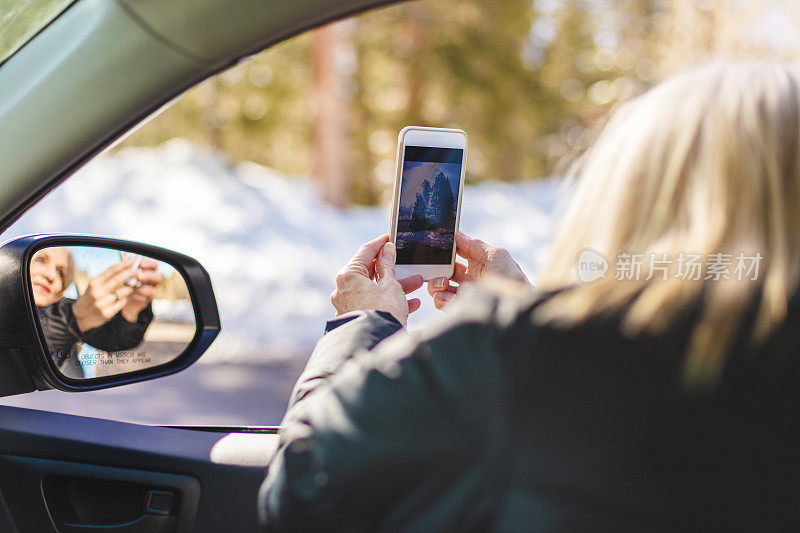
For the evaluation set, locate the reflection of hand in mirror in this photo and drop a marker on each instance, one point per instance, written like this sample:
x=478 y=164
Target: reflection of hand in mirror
x=144 y=291
x=105 y=296
x=96 y=326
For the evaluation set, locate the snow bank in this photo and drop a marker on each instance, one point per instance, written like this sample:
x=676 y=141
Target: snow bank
x=271 y=246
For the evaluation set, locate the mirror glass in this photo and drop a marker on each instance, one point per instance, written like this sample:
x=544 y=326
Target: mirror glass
x=104 y=312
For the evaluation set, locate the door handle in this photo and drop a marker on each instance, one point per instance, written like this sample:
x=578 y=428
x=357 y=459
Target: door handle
x=105 y=506
x=43 y=495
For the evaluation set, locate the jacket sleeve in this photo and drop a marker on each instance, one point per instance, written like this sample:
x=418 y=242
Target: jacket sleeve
x=370 y=418
x=60 y=330
x=365 y=330
x=119 y=334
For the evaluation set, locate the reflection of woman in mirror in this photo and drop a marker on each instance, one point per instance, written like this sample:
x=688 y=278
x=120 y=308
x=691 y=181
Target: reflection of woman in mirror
x=110 y=315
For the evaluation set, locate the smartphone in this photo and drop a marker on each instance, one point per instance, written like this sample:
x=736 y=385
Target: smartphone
x=137 y=260
x=427 y=200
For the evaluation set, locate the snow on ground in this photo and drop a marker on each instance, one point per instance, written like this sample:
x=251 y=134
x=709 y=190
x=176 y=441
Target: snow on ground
x=270 y=244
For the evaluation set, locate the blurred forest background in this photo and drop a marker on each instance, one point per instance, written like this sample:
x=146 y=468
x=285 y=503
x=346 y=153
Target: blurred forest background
x=525 y=79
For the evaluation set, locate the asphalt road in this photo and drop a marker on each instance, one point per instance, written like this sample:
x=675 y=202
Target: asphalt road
x=203 y=394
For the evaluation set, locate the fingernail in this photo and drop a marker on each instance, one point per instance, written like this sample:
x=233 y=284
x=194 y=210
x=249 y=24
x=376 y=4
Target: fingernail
x=438 y=283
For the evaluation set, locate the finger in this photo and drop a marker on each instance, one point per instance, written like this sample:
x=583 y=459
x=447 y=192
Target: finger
x=113 y=297
x=112 y=271
x=437 y=284
x=149 y=277
x=366 y=254
x=443 y=299
x=411 y=284
x=414 y=304
x=148 y=264
x=112 y=305
x=470 y=248
x=459 y=273
x=137 y=302
x=117 y=307
x=451 y=289
x=384 y=267
x=145 y=291
x=117 y=279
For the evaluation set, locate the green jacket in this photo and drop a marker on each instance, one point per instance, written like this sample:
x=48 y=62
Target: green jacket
x=489 y=421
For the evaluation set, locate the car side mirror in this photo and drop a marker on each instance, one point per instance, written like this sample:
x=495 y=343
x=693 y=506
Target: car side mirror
x=81 y=313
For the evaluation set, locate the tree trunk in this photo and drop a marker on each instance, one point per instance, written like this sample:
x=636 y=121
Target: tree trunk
x=329 y=128
x=415 y=26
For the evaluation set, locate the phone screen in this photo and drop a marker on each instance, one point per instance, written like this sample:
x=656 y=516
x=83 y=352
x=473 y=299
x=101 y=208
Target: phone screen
x=426 y=219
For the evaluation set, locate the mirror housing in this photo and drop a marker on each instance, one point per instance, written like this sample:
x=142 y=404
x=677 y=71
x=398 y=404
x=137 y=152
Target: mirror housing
x=25 y=361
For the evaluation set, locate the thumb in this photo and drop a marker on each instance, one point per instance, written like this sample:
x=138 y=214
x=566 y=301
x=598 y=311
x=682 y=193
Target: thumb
x=384 y=266
x=470 y=248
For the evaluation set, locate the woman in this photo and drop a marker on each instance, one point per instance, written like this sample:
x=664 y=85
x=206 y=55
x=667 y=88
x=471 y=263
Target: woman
x=658 y=397
x=109 y=315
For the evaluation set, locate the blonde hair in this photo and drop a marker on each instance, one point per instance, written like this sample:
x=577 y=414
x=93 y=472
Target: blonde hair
x=706 y=162
x=69 y=275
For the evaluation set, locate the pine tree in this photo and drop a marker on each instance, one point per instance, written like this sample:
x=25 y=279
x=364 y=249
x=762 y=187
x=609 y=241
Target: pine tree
x=427 y=190
x=443 y=203
x=419 y=214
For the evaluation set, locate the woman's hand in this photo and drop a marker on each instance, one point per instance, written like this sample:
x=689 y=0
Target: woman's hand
x=105 y=296
x=482 y=261
x=368 y=282
x=143 y=294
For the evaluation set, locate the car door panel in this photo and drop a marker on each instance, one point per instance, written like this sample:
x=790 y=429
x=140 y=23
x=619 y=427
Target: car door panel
x=213 y=476
x=43 y=493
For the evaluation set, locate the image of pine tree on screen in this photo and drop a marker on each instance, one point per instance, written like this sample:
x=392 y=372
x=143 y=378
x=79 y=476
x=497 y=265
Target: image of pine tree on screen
x=427 y=214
